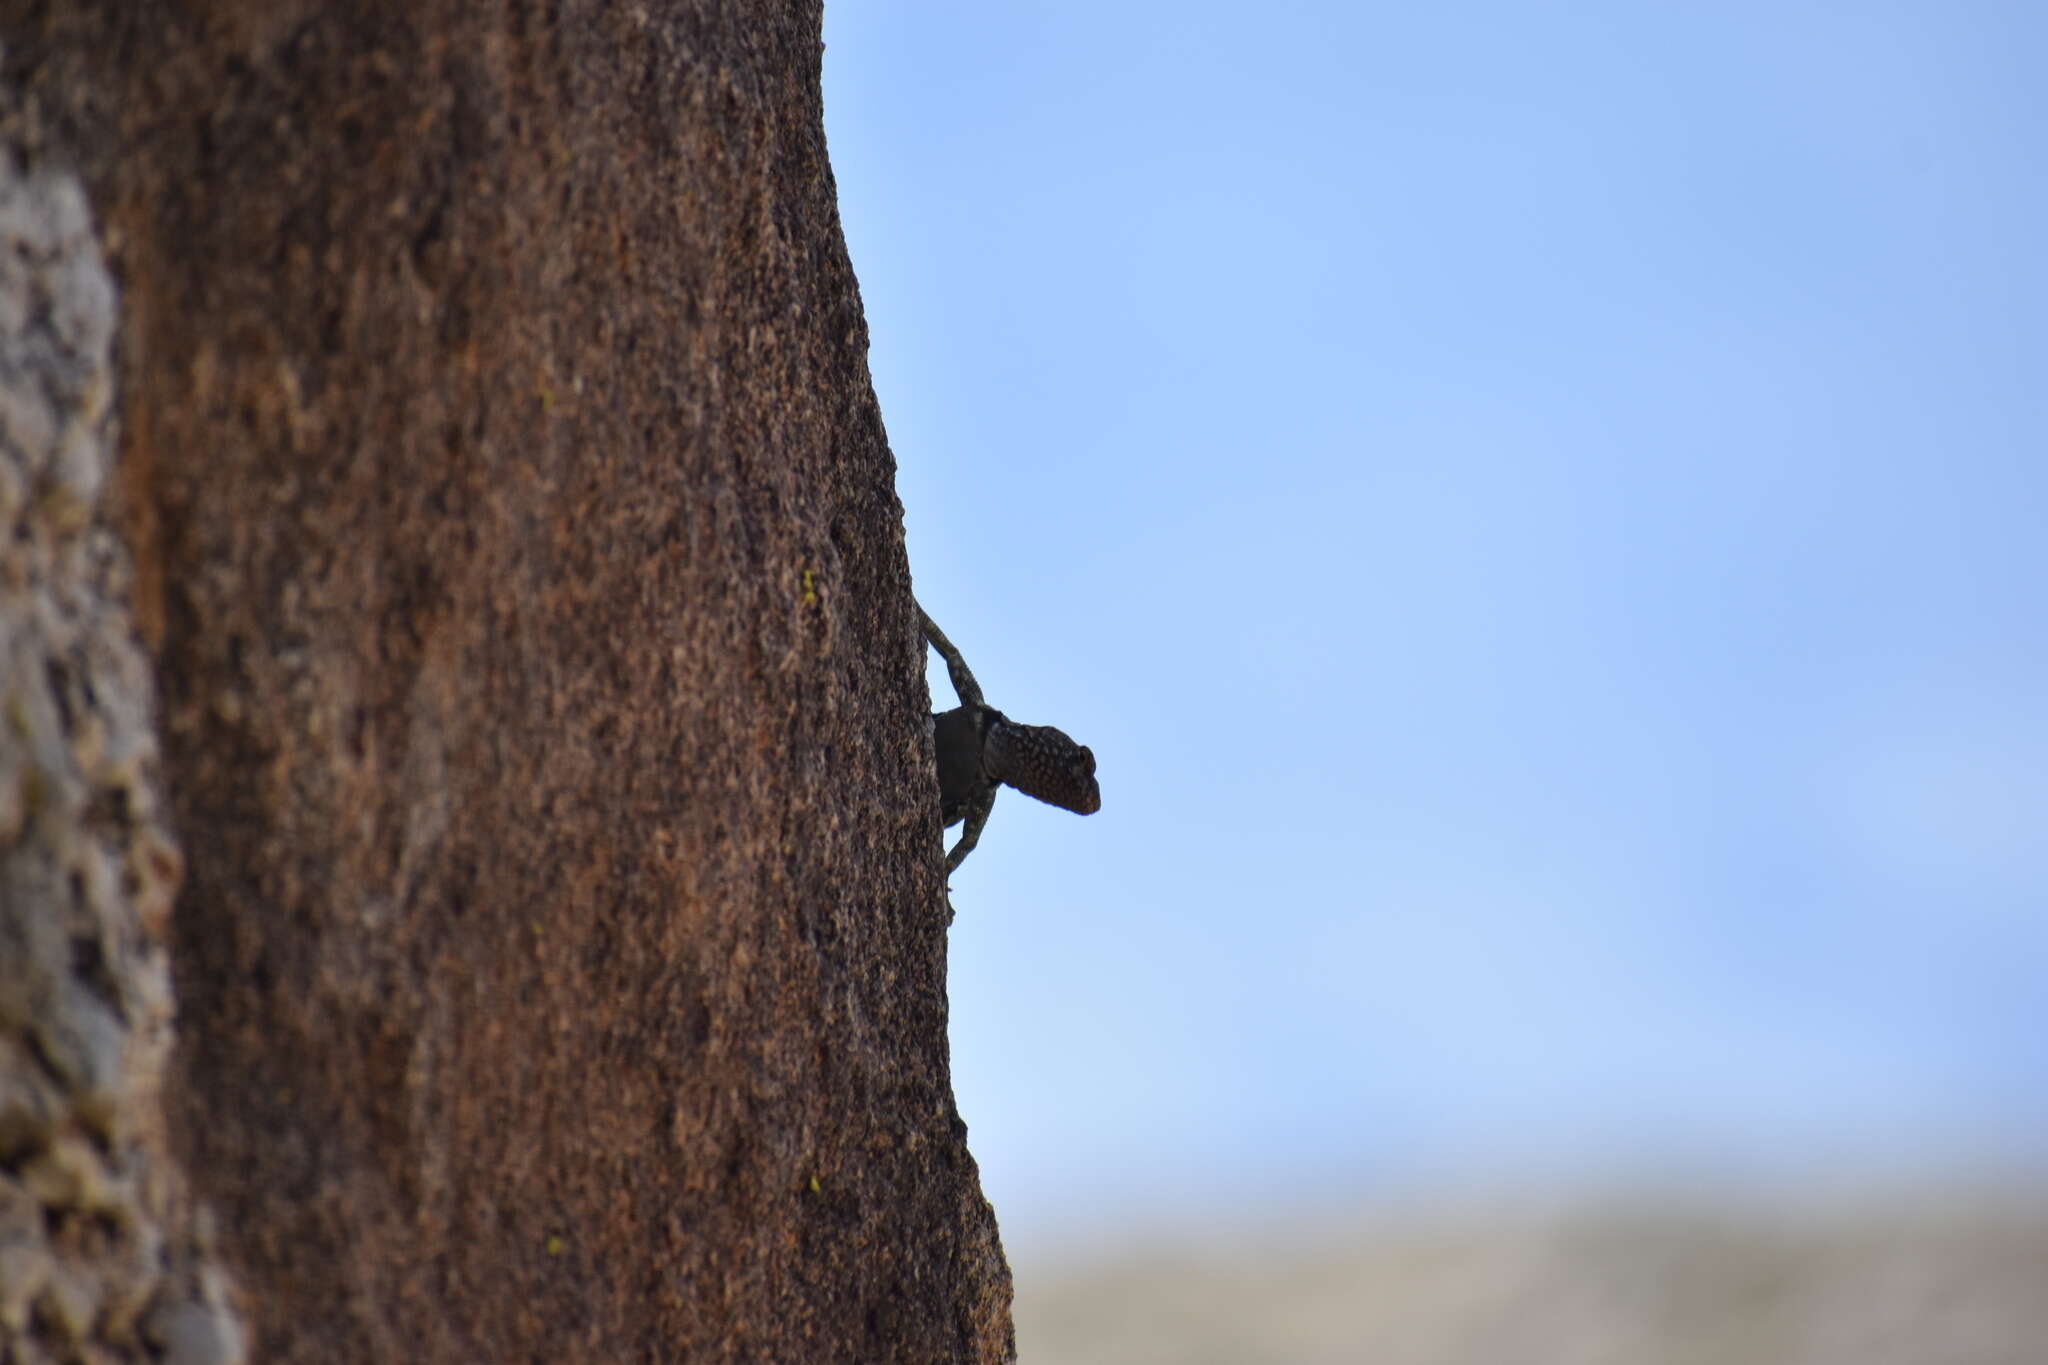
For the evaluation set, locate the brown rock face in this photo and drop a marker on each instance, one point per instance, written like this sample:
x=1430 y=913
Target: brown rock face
x=560 y=960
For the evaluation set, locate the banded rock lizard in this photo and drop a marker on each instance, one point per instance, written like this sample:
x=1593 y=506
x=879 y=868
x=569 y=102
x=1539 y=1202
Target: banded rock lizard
x=980 y=749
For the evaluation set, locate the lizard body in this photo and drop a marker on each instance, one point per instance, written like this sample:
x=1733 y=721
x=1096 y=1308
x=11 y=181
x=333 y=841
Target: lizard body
x=980 y=749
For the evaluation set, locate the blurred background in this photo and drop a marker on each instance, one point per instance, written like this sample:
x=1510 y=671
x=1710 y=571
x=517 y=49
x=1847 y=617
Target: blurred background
x=1541 y=512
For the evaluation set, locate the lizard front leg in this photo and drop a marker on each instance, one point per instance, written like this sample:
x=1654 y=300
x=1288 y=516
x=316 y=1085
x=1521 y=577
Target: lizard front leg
x=978 y=807
x=964 y=685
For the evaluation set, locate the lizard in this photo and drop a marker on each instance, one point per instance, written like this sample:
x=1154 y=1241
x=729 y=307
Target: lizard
x=981 y=749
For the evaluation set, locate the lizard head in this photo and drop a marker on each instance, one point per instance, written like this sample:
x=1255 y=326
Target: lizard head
x=1041 y=761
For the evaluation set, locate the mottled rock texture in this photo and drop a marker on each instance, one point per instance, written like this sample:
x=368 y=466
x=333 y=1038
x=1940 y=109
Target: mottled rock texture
x=560 y=961
x=102 y=1257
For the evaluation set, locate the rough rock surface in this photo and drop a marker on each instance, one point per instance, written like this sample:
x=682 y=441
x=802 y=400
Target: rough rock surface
x=560 y=963
x=101 y=1254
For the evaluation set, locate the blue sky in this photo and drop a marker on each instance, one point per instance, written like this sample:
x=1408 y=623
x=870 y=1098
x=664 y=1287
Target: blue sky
x=1542 y=513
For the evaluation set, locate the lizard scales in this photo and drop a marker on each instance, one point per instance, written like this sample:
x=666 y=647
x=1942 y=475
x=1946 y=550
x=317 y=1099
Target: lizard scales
x=980 y=749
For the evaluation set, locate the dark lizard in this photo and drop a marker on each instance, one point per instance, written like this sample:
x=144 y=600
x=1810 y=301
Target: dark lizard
x=980 y=749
